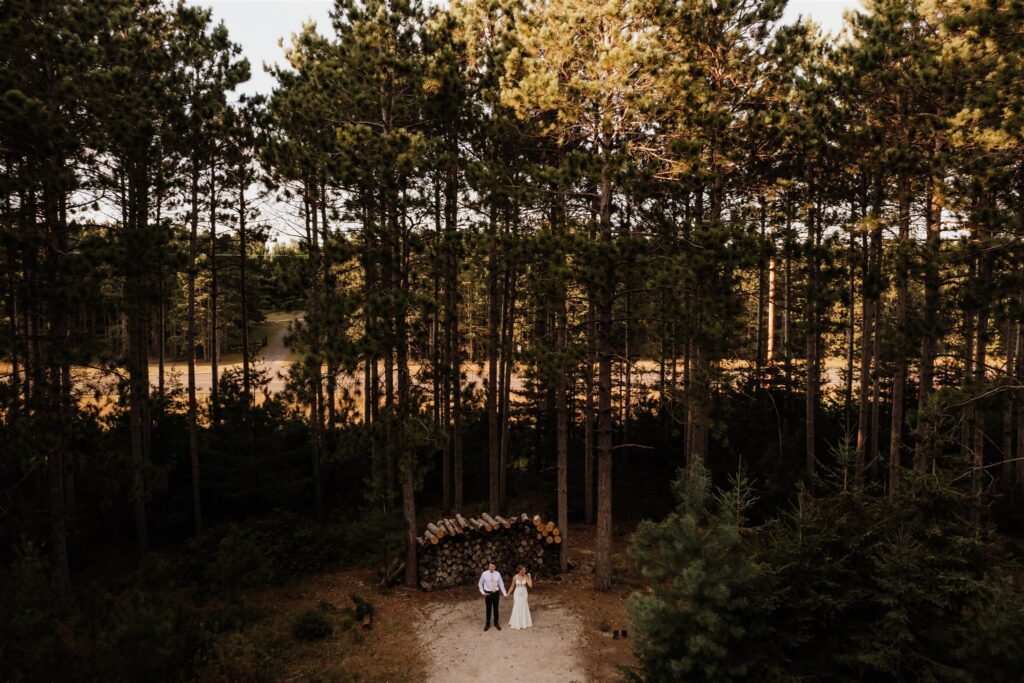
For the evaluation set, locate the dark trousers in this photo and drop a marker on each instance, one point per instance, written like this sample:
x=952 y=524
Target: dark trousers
x=492 y=605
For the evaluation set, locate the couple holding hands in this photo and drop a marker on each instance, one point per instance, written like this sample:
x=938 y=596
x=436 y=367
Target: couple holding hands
x=492 y=588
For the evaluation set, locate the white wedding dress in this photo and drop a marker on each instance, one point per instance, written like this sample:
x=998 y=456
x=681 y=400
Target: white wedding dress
x=520 y=606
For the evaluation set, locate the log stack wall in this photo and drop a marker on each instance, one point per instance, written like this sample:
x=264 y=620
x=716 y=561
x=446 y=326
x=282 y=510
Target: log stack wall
x=455 y=551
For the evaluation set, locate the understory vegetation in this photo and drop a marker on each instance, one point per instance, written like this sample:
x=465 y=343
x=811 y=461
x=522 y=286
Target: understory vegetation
x=843 y=585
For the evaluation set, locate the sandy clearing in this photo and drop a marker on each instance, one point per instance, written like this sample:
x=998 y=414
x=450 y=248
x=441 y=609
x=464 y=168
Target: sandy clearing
x=459 y=651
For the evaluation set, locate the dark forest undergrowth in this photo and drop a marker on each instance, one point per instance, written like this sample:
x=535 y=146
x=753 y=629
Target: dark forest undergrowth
x=841 y=582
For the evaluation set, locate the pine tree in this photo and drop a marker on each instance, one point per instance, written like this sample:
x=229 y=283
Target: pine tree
x=135 y=114
x=49 y=78
x=206 y=69
x=713 y=55
x=580 y=71
x=705 y=617
x=380 y=68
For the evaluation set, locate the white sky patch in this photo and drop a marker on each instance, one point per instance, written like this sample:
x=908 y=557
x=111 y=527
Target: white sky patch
x=826 y=13
x=258 y=25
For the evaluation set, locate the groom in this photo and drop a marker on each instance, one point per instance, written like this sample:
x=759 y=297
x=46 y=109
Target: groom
x=490 y=584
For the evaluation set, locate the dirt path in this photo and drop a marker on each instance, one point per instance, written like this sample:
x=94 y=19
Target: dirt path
x=275 y=350
x=459 y=651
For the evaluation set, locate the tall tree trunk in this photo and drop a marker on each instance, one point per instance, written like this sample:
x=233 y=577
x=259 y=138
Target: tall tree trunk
x=507 y=334
x=968 y=363
x=391 y=465
x=561 y=325
x=214 y=322
x=372 y=368
x=762 y=266
x=193 y=409
x=372 y=373
x=161 y=334
x=1010 y=346
x=976 y=414
x=387 y=266
x=161 y=324
x=11 y=306
x=368 y=397
x=493 y=446
x=313 y=326
x=605 y=293
x=441 y=384
x=162 y=310
x=370 y=380
x=58 y=399
x=1020 y=403
x=899 y=379
x=931 y=330
x=866 y=349
x=329 y=285
x=57 y=465
x=400 y=285
x=67 y=401
x=787 y=307
x=697 y=388
x=589 y=413
x=453 y=343
x=561 y=399
x=770 y=317
x=876 y=373
x=14 y=339
x=812 y=369
x=137 y=304
x=662 y=353
x=699 y=378
x=508 y=360
x=32 y=354
x=409 y=513
x=851 y=324
x=243 y=260
x=627 y=359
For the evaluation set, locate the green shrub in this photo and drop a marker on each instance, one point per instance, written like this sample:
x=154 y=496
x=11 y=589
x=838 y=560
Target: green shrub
x=233 y=615
x=707 y=616
x=261 y=552
x=31 y=647
x=241 y=561
x=346 y=622
x=252 y=656
x=847 y=586
x=311 y=625
x=150 y=636
x=361 y=607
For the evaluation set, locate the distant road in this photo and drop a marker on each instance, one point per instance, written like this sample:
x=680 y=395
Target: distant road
x=274 y=357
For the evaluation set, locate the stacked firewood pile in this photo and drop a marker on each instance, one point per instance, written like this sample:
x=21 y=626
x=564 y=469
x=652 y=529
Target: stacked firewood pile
x=456 y=550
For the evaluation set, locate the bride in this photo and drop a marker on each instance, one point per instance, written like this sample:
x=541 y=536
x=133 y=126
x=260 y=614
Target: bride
x=521 y=600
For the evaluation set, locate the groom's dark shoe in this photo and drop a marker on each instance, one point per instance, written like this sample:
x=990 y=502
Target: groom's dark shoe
x=487 y=628
x=497 y=627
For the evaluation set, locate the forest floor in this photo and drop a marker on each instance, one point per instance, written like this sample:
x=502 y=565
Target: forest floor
x=438 y=637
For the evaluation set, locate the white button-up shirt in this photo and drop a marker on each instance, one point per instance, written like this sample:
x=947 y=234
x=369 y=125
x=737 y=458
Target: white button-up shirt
x=490 y=582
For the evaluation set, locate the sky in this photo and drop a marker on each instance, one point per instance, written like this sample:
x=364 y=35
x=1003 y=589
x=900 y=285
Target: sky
x=257 y=25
